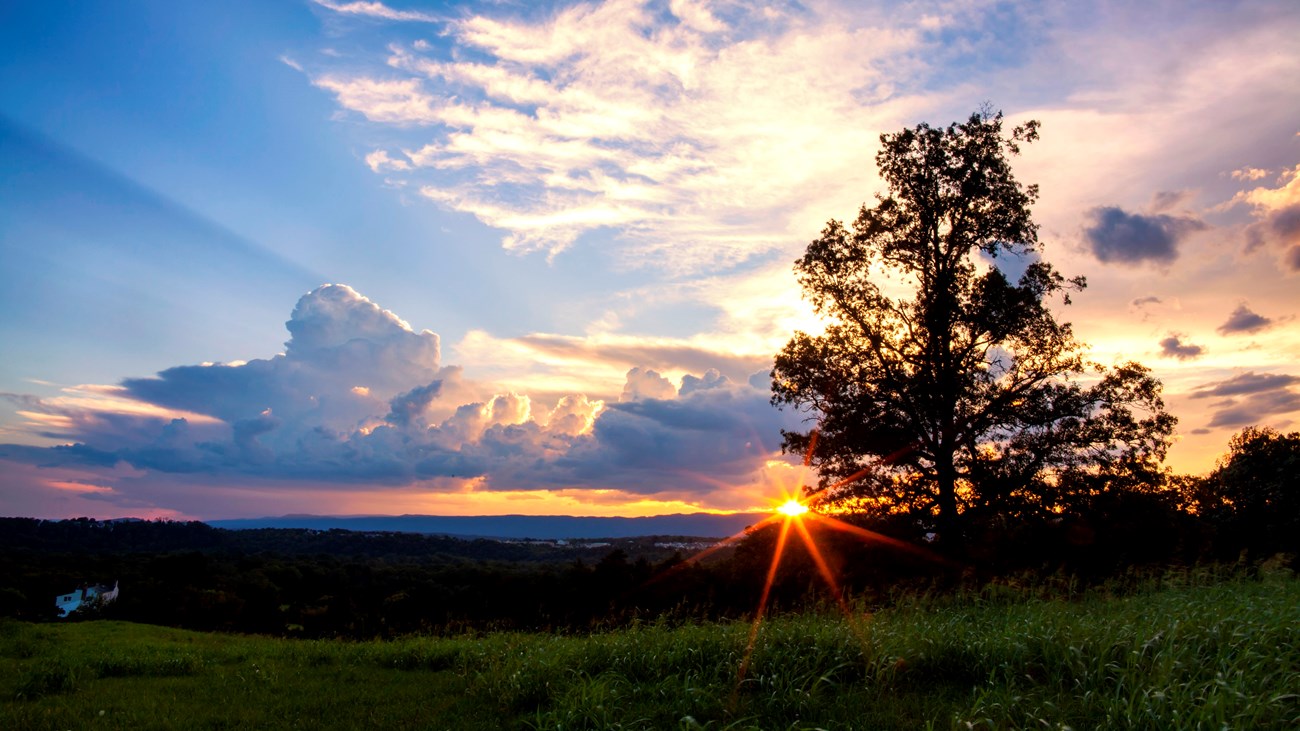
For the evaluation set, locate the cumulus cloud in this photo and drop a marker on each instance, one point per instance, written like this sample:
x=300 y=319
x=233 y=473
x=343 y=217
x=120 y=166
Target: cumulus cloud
x=643 y=383
x=344 y=359
x=1244 y=320
x=1116 y=236
x=698 y=442
x=1174 y=347
x=358 y=397
x=1250 y=398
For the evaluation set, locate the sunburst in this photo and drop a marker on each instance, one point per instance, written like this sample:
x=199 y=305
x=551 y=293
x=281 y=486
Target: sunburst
x=795 y=514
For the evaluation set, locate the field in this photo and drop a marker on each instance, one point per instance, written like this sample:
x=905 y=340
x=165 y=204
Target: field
x=1179 y=654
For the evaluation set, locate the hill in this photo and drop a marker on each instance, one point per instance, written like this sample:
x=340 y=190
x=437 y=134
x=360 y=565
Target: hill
x=542 y=527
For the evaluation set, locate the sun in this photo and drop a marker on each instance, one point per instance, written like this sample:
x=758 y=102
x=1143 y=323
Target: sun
x=792 y=508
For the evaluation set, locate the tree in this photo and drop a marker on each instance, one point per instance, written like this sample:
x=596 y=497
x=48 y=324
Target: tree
x=1252 y=497
x=967 y=395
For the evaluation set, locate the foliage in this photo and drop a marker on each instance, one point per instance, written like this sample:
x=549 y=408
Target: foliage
x=1181 y=654
x=1253 y=497
x=967 y=395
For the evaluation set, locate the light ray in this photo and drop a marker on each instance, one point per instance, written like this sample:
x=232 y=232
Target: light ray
x=874 y=537
x=822 y=567
x=701 y=555
x=762 y=601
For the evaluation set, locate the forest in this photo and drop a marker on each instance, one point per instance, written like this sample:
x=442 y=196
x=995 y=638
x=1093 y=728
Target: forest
x=303 y=583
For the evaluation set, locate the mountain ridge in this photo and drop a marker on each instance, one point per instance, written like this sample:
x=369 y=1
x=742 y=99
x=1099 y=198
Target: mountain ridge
x=539 y=527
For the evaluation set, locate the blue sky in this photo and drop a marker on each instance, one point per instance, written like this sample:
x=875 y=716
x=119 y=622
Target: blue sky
x=592 y=209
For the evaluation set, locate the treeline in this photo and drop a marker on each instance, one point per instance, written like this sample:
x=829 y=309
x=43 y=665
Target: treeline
x=337 y=582
x=349 y=584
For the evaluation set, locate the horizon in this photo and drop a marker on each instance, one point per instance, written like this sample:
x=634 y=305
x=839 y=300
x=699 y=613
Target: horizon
x=458 y=259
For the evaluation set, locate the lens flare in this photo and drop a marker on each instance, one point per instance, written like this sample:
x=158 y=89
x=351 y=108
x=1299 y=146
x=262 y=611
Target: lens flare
x=792 y=508
x=795 y=516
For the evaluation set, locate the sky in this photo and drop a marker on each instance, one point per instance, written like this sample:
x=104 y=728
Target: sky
x=359 y=258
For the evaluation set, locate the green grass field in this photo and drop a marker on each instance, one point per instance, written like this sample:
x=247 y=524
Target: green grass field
x=1218 y=656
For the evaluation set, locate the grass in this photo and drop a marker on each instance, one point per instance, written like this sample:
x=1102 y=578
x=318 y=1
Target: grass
x=1225 y=655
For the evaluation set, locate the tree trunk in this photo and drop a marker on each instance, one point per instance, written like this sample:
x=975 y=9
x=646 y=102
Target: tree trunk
x=950 y=534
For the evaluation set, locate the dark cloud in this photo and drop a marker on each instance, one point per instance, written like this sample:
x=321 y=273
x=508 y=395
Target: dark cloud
x=1243 y=320
x=709 y=439
x=1246 y=383
x=711 y=379
x=1133 y=238
x=1280 y=227
x=1292 y=258
x=1165 y=199
x=1250 y=398
x=1143 y=301
x=1285 y=224
x=410 y=406
x=1174 y=347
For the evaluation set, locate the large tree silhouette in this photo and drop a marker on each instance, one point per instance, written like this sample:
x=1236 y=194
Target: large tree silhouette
x=940 y=386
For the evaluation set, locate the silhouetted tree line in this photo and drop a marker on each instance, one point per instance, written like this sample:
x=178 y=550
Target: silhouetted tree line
x=341 y=583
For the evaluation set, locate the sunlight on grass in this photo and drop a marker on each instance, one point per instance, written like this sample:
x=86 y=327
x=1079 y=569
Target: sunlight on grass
x=1171 y=656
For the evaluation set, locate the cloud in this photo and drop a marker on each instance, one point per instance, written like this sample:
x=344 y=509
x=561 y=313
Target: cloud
x=359 y=398
x=376 y=10
x=1114 y=235
x=1277 y=213
x=625 y=351
x=1246 y=384
x=1173 y=347
x=1250 y=399
x=643 y=383
x=379 y=161
x=395 y=101
x=1249 y=174
x=345 y=357
x=702 y=441
x=1166 y=199
x=1243 y=320
x=701 y=138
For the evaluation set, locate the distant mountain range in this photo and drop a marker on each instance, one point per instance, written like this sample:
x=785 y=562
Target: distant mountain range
x=545 y=527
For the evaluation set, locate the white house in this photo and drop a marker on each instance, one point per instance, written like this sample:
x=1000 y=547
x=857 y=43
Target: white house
x=86 y=596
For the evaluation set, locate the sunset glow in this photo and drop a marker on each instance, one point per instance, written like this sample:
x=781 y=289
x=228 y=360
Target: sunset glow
x=485 y=258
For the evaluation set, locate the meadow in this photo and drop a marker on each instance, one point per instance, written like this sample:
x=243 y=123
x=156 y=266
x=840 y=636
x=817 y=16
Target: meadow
x=1187 y=651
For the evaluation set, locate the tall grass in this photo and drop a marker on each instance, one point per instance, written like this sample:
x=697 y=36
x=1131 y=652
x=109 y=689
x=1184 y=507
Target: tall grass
x=1184 y=656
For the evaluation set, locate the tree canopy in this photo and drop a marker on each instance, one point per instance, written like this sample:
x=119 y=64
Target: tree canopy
x=1252 y=497
x=940 y=386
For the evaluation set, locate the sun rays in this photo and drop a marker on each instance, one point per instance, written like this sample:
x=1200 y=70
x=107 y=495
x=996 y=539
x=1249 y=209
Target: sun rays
x=796 y=515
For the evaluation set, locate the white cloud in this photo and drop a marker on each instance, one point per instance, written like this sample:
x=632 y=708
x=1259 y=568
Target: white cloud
x=400 y=101
x=1249 y=174
x=700 y=142
x=379 y=161
x=376 y=10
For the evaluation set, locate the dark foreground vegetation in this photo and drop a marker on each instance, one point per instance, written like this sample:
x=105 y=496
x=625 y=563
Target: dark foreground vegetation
x=1190 y=652
x=317 y=584
x=1170 y=604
